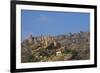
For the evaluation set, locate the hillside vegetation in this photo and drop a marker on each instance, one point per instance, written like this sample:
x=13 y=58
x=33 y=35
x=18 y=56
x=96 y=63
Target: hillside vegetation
x=64 y=47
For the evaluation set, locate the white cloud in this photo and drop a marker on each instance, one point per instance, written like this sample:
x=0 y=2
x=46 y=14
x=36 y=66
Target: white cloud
x=42 y=18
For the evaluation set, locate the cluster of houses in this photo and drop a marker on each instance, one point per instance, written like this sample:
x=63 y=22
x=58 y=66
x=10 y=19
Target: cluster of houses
x=45 y=45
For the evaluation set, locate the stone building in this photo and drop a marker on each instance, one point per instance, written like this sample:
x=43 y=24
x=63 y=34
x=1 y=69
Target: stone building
x=30 y=39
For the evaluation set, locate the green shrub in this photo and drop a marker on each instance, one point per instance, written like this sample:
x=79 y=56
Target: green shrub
x=71 y=51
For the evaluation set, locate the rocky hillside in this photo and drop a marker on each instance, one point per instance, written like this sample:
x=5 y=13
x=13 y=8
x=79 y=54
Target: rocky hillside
x=72 y=46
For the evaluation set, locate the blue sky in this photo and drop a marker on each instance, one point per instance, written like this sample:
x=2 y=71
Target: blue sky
x=53 y=23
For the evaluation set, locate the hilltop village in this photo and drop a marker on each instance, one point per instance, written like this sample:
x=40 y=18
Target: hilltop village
x=64 y=47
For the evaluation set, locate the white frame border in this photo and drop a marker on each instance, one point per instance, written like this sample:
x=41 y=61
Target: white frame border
x=20 y=65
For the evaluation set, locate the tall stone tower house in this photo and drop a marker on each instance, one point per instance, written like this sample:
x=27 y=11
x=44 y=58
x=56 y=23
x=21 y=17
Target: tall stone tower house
x=46 y=40
x=30 y=40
